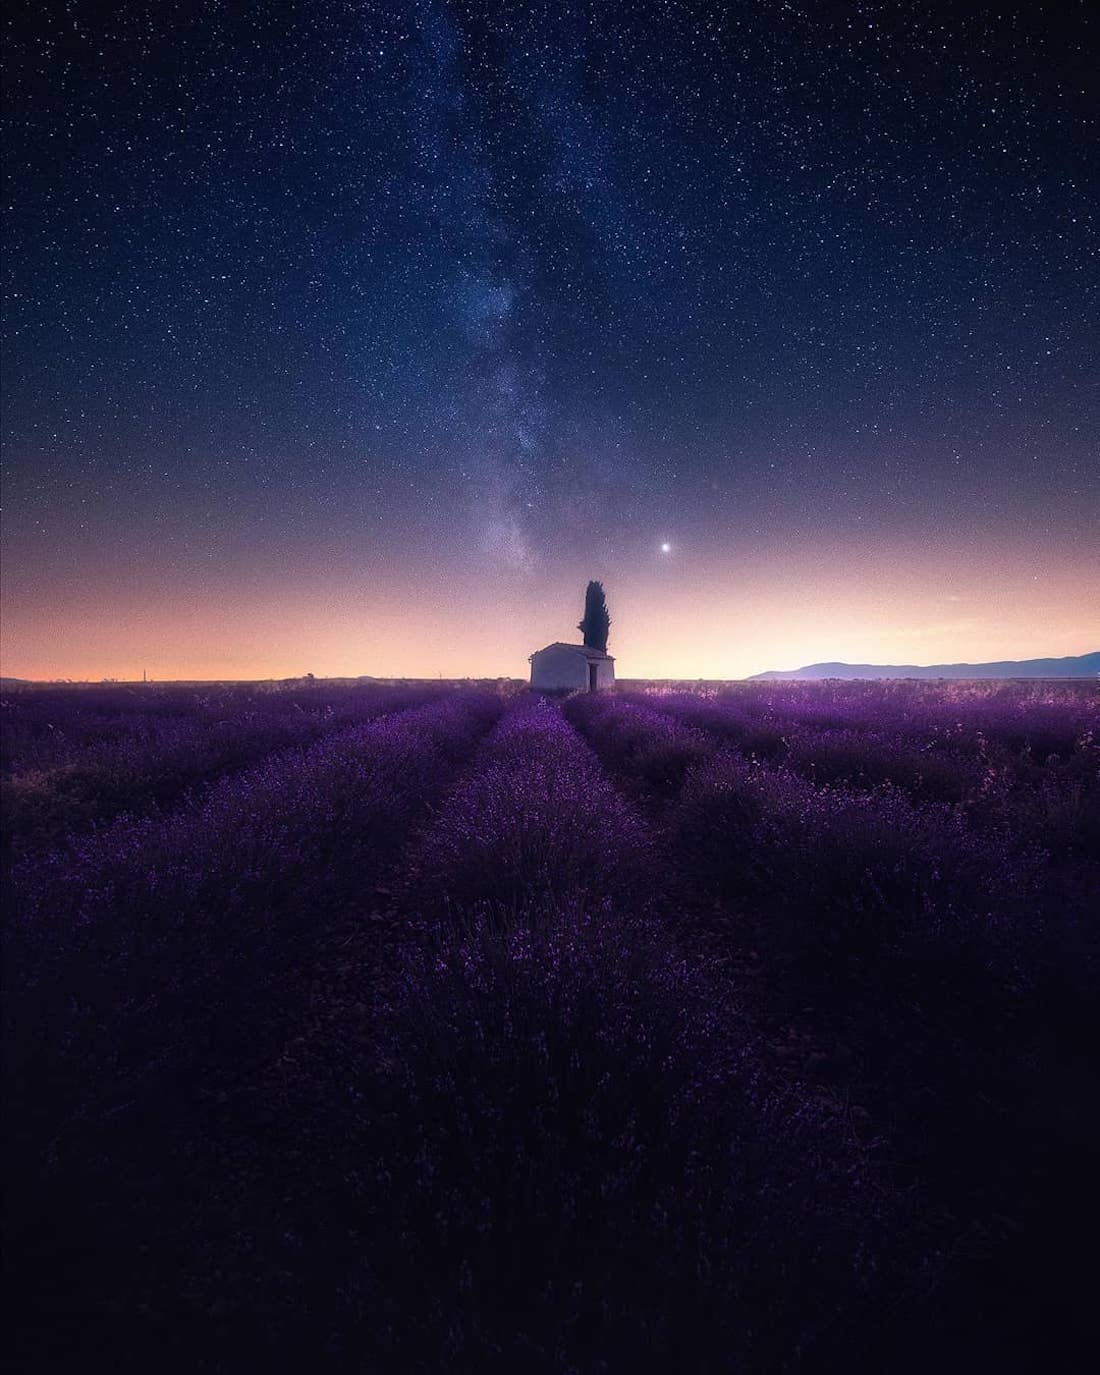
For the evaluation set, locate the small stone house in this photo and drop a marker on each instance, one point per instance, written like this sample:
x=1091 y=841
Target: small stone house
x=568 y=668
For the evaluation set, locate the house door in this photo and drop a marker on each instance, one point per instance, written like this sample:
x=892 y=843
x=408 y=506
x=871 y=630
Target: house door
x=593 y=676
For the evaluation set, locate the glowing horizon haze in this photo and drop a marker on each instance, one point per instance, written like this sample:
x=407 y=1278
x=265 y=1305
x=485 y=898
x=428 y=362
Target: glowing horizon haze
x=726 y=620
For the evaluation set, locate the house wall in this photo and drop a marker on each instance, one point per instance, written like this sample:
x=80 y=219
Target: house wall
x=564 y=670
x=556 y=670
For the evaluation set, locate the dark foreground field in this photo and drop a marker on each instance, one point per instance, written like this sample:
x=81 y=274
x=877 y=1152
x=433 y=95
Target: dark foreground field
x=422 y=1028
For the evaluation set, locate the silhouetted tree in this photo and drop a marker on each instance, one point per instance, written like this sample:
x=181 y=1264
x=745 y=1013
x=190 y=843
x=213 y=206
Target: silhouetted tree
x=597 y=622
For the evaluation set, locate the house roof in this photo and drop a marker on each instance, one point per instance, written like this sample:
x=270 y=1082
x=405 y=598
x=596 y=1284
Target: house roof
x=586 y=650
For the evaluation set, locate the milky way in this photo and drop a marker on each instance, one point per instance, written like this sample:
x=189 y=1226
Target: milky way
x=356 y=313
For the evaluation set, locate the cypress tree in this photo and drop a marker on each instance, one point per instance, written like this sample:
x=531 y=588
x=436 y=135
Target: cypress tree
x=597 y=622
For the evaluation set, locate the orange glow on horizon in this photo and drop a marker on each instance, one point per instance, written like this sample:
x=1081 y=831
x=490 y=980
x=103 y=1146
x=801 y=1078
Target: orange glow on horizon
x=669 y=620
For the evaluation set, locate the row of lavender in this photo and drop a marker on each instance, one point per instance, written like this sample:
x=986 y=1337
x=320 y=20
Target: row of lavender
x=1020 y=755
x=933 y=964
x=155 y=966
x=758 y=828
x=75 y=758
x=1040 y=717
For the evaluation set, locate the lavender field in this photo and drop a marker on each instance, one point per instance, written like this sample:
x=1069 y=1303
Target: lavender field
x=430 y=1027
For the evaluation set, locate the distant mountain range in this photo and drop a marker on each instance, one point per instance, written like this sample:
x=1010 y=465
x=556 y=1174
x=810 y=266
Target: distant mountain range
x=1076 y=666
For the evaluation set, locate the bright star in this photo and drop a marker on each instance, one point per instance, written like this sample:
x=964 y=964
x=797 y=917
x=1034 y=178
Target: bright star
x=666 y=548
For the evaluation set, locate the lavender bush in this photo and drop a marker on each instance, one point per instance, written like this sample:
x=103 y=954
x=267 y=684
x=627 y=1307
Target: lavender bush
x=536 y=820
x=848 y=872
x=649 y=746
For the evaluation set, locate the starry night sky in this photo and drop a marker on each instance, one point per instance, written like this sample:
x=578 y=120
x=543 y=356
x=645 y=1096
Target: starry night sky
x=354 y=338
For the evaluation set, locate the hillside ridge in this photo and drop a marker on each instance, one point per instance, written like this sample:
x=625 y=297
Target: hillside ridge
x=1072 y=666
